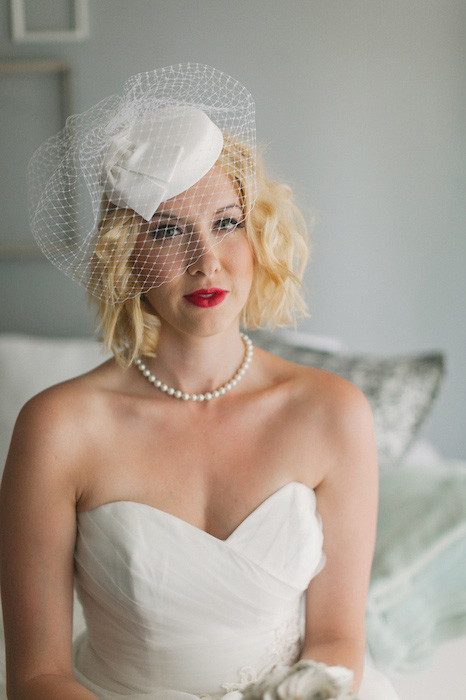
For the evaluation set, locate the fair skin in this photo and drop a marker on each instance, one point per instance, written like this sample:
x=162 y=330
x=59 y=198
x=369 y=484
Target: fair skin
x=74 y=448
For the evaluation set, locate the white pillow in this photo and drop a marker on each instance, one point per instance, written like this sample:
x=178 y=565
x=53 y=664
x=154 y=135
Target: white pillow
x=30 y=364
x=423 y=453
x=326 y=343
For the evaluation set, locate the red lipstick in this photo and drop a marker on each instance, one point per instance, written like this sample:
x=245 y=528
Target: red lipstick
x=206 y=298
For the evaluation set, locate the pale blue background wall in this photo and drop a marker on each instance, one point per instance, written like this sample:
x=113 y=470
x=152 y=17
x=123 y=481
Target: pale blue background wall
x=361 y=104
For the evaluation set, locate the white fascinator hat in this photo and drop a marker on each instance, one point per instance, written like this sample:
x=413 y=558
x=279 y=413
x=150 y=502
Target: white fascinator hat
x=95 y=187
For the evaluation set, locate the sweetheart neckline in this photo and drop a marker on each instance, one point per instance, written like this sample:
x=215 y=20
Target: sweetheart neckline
x=161 y=512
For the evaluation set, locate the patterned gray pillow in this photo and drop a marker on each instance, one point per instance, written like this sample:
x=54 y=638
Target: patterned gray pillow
x=401 y=390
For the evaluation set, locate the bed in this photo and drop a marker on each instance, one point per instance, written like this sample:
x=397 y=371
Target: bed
x=416 y=609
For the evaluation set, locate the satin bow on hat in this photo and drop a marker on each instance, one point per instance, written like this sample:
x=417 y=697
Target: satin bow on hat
x=159 y=157
x=139 y=174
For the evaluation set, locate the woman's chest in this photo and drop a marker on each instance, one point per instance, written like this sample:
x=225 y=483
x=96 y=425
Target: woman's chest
x=210 y=473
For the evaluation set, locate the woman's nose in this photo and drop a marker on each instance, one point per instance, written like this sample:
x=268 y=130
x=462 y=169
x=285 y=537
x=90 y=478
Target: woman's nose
x=206 y=258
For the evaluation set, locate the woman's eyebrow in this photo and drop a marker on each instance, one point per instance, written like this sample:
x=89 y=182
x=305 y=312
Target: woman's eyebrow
x=163 y=216
x=168 y=215
x=230 y=206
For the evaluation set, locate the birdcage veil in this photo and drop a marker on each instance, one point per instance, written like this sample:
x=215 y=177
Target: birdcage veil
x=100 y=190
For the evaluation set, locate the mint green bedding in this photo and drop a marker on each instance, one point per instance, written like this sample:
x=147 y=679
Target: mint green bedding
x=417 y=596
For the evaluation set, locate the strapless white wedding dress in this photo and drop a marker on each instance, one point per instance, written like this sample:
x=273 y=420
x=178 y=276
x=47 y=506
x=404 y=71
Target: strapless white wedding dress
x=173 y=613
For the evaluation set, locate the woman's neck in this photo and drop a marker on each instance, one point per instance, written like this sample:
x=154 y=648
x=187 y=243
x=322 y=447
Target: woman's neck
x=197 y=364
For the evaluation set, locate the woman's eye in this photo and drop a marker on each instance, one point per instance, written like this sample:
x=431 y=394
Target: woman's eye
x=164 y=231
x=229 y=224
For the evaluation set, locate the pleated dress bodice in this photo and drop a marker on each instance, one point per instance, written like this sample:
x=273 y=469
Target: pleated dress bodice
x=172 y=611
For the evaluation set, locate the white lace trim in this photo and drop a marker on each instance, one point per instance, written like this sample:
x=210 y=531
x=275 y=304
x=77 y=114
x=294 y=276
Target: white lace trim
x=283 y=650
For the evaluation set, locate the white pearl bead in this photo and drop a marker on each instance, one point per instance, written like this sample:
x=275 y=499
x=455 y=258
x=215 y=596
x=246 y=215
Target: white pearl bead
x=170 y=391
x=222 y=391
x=146 y=373
x=201 y=397
x=216 y=394
x=158 y=383
x=194 y=397
x=164 y=387
x=178 y=394
x=208 y=396
x=186 y=397
x=151 y=378
x=234 y=382
x=142 y=367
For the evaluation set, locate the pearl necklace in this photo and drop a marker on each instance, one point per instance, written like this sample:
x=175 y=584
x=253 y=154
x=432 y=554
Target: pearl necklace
x=178 y=394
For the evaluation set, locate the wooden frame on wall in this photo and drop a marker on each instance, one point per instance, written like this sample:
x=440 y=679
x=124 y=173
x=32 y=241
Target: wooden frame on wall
x=36 y=67
x=21 y=34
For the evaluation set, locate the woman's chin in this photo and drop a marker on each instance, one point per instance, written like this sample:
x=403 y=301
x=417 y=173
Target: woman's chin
x=203 y=327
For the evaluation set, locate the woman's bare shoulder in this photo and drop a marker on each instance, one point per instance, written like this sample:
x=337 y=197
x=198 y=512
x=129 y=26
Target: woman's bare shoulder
x=343 y=408
x=346 y=428
x=330 y=415
x=59 y=403
x=314 y=387
x=62 y=421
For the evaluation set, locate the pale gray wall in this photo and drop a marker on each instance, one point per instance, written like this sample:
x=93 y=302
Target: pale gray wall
x=361 y=104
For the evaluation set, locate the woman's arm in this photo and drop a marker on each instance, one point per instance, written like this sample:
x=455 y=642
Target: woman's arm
x=37 y=538
x=347 y=502
x=51 y=687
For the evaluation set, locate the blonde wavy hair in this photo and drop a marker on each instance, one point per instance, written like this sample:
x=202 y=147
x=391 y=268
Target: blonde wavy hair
x=277 y=234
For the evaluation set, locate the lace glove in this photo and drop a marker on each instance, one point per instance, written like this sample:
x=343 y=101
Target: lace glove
x=305 y=680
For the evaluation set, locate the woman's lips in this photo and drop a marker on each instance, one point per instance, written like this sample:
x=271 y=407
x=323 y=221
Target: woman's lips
x=206 y=297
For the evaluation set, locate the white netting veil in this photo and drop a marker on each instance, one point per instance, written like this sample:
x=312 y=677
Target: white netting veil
x=135 y=190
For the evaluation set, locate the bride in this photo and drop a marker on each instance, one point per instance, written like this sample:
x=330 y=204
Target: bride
x=214 y=505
